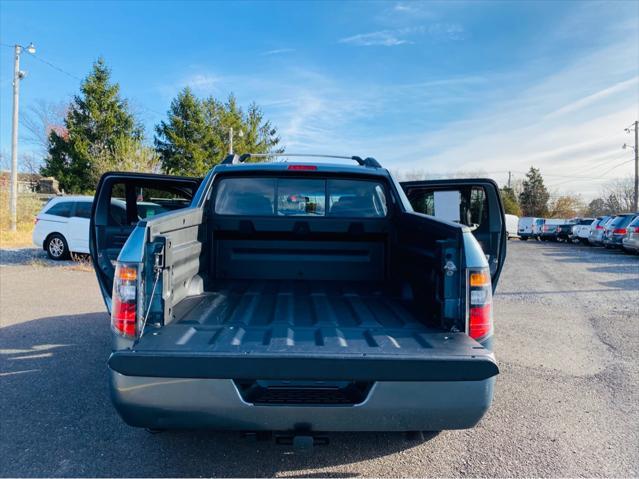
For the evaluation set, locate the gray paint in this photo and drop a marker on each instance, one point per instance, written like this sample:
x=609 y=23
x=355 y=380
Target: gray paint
x=217 y=404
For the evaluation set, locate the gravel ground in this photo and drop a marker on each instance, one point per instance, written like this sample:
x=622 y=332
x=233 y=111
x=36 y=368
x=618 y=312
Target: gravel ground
x=566 y=401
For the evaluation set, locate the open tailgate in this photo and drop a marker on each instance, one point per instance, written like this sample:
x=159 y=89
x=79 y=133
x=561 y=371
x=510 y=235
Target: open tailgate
x=310 y=353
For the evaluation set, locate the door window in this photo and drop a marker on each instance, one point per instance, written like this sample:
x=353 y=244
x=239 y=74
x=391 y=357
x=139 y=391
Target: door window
x=466 y=206
x=83 y=209
x=131 y=203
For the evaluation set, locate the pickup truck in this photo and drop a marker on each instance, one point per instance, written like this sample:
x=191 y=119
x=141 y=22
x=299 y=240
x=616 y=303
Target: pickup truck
x=281 y=296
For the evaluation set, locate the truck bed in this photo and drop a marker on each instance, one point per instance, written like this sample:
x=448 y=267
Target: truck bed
x=302 y=330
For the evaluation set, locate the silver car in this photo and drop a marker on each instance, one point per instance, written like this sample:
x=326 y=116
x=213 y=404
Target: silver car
x=597 y=230
x=630 y=243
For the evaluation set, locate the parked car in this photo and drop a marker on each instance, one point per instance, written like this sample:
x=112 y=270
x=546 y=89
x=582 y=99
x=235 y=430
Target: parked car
x=630 y=243
x=550 y=229
x=616 y=230
x=597 y=230
x=62 y=227
x=581 y=230
x=564 y=230
x=512 y=224
x=269 y=302
x=530 y=227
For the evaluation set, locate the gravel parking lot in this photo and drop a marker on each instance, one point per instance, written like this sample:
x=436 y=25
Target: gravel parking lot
x=566 y=402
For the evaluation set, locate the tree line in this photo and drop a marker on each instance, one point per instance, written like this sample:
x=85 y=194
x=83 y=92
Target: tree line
x=100 y=133
x=530 y=197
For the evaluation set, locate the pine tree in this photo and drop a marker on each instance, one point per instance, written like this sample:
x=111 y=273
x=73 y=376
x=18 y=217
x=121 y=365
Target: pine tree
x=195 y=137
x=96 y=121
x=534 y=197
x=186 y=142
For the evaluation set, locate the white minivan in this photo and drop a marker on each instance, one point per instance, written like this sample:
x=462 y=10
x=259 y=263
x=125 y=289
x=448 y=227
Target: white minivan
x=62 y=227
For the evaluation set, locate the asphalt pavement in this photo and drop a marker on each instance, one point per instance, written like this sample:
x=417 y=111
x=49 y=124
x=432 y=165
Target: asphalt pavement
x=566 y=401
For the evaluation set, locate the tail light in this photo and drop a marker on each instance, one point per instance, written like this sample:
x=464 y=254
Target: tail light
x=599 y=227
x=124 y=302
x=635 y=229
x=619 y=231
x=480 y=313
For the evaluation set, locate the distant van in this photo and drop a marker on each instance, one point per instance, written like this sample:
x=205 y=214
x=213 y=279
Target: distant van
x=529 y=227
x=512 y=222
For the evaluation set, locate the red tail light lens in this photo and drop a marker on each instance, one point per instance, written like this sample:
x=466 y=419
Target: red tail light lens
x=619 y=231
x=599 y=227
x=124 y=300
x=480 y=314
x=636 y=229
x=481 y=321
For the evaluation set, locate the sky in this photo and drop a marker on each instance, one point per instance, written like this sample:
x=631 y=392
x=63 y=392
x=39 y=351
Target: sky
x=433 y=88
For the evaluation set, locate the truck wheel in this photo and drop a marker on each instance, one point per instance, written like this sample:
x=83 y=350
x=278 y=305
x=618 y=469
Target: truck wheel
x=524 y=239
x=57 y=247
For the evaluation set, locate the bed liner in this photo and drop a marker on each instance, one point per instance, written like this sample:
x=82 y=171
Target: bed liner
x=332 y=330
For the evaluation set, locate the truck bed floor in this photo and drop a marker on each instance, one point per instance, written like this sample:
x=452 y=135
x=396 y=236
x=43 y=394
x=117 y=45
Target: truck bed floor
x=294 y=316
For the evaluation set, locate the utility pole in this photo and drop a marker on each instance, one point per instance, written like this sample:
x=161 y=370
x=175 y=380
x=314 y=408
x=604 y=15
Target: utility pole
x=635 y=199
x=14 y=139
x=239 y=133
x=509 y=175
x=635 y=207
x=17 y=76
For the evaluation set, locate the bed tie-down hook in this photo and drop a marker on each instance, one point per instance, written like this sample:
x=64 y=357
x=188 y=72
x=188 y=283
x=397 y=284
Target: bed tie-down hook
x=450 y=268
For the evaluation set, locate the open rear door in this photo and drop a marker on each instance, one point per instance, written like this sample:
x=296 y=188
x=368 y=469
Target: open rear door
x=474 y=202
x=121 y=201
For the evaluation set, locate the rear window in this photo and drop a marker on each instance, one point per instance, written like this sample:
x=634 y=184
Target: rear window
x=62 y=209
x=300 y=197
x=635 y=222
x=623 y=221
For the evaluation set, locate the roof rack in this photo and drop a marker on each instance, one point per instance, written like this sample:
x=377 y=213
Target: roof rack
x=236 y=159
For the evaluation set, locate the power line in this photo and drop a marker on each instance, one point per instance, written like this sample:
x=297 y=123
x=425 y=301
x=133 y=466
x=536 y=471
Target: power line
x=55 y=67
x=75 y=77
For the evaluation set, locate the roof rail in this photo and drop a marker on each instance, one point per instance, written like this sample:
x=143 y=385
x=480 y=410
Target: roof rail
x=235 y=159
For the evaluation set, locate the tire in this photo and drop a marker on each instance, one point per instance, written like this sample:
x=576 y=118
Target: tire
x=523 y=239
x=57 y=247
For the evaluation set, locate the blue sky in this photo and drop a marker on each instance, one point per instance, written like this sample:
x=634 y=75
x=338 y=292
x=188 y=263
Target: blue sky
x=481 y=87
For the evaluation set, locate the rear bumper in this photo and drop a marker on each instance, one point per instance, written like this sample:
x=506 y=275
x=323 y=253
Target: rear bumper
x=217 y=404
x=614 y=240
x=631 y=244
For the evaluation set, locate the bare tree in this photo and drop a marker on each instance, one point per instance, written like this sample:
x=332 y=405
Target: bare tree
x=40 y=119
x=618 y=195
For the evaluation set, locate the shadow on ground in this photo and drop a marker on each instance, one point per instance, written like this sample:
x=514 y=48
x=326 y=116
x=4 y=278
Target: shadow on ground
x=57 y=419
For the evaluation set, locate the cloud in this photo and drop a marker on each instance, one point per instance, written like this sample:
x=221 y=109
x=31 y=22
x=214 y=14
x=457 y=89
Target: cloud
x=202 y=82
x=278 y=51
x=401 y=36
x=386 y=38
x=595 y=97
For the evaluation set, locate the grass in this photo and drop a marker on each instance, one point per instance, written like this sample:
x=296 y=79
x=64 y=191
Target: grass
x=29 y=205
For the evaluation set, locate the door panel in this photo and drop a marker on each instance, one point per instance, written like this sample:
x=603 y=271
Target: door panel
x=475 y=203
x=123 y=199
